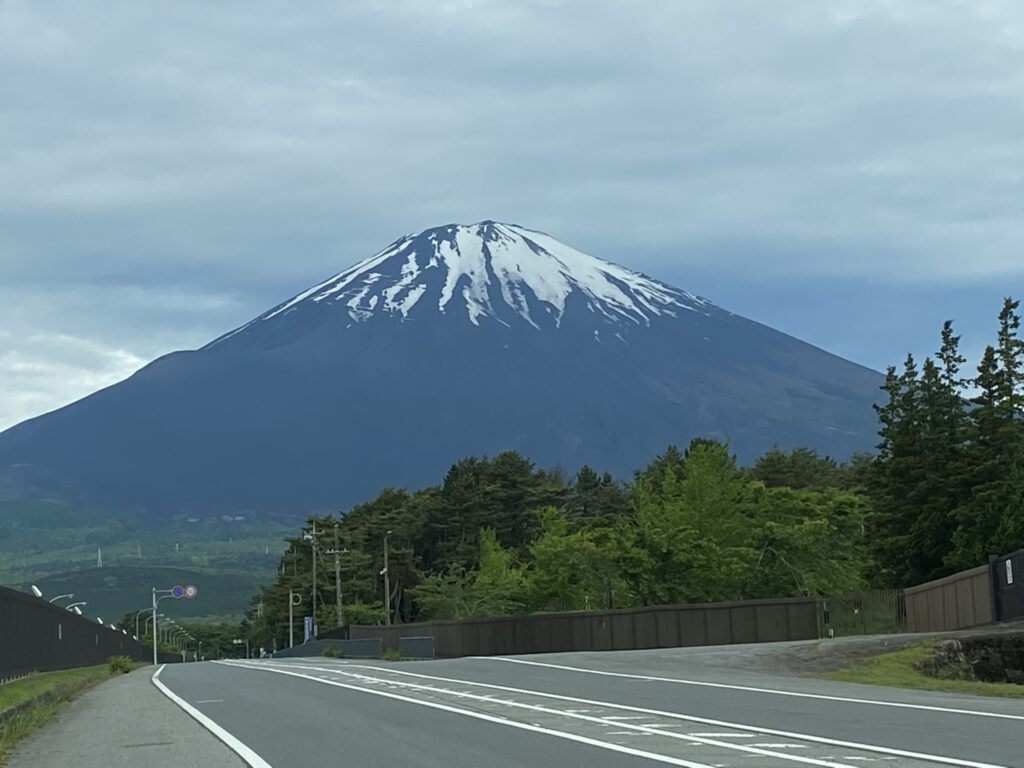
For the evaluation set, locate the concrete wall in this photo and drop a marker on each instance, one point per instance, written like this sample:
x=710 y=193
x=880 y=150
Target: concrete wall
x=956 y=602
x=667 y=626
x=36 y=636
x=367 y=648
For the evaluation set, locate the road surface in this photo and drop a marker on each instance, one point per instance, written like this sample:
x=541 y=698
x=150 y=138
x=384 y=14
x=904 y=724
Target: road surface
x=682 y=707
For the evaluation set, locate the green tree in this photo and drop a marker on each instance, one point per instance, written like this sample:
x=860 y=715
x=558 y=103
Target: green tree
x=797 y=468
x=495 y=588
x=570 y=570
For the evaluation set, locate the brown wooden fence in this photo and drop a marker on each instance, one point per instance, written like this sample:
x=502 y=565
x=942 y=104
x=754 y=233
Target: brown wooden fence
x=666 y=626
x=959 y=601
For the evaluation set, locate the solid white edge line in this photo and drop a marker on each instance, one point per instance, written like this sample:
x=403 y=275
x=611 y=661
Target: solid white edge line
x=753 y=689
x=690 y=718
x=232 y=742
x=481 y=716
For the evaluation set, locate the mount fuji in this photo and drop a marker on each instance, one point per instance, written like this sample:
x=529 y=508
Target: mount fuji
x=459 y=340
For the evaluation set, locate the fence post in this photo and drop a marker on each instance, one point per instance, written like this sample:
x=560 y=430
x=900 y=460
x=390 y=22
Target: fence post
x=993 y=587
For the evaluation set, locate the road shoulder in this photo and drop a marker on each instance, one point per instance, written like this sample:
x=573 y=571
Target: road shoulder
x=127 y=722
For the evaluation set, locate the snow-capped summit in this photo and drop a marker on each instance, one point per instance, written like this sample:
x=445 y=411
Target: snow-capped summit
x=461 y=340
x=490 y=271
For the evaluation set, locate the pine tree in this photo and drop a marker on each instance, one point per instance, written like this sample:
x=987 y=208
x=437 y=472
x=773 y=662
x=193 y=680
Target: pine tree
x=798 y=468
x=897 y=480
x=989 y=518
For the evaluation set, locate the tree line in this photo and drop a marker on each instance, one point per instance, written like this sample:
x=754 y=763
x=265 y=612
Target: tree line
x=499 y=535
x=947 y=485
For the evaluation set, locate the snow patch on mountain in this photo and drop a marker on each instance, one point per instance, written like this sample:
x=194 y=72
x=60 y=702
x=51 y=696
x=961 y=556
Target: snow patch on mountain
x=485 y=270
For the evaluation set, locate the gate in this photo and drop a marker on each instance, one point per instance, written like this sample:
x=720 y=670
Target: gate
x=1008 y=585
x=874 y=612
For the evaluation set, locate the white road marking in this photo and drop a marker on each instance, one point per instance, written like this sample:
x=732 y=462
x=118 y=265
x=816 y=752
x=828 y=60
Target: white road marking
x=233 y=742
x=753 y=689
x=210 y=701
x=481 y=716
x=799 y=746
x=727 y=735
x=638 y=730
x=690 y=718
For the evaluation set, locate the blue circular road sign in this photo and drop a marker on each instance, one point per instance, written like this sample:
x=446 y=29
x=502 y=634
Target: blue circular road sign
x=177 y=591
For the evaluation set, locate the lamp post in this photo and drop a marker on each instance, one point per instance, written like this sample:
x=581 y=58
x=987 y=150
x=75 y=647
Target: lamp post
x=145 y=624
x=74 y=606
x=387 y=583
x=292 y=602
x=137 y=614
x=61 y=597
x=239 y=642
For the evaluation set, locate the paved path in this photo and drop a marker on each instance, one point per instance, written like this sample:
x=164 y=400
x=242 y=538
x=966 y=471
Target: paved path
x=123 y=722
x=592 y=710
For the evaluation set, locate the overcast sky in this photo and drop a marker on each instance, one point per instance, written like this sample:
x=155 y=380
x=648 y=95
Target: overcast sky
x=848 y=172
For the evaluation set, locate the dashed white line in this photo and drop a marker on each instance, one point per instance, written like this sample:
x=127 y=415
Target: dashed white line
x=638 y=730
x=487 y=718
x=754 y=689
x=676 y=716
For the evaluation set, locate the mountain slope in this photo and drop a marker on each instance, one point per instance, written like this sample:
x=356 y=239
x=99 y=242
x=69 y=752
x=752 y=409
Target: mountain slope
x=455 y=341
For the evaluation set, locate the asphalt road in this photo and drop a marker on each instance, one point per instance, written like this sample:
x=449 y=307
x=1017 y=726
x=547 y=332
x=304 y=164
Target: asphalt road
x=678 y=707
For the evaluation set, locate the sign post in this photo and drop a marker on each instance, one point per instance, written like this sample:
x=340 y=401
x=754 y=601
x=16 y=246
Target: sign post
x=177 y=592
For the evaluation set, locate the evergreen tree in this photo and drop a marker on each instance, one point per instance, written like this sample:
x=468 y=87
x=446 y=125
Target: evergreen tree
x=897 y=479
x=797 y=468
x=989 y=517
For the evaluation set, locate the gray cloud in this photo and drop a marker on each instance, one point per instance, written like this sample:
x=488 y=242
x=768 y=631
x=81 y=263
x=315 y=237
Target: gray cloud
x=242 y=151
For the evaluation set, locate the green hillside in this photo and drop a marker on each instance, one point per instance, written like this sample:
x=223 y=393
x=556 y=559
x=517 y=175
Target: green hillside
x=57 y=546
x=112 y=592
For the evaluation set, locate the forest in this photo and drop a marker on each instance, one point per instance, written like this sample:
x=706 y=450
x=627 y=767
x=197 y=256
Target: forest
x=498 y=535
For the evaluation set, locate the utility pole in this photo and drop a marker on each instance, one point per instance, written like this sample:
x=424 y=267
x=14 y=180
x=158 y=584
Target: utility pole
x=387 y=583
x=337 y=552
x=311 y=538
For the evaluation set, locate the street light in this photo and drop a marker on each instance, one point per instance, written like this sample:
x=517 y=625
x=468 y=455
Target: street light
x=387 y=583
x=240 y=642
x=78 y=610
x=294 y=598
x=74 y=606
x=61 y=597
x=36 y=590
x=145 y=624
x=137 y=614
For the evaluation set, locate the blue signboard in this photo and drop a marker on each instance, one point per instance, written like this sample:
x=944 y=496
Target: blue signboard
x=307 y=626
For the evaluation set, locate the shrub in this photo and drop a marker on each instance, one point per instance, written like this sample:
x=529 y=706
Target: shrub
x=120 y=664
x=391 y=655
x=329 y=653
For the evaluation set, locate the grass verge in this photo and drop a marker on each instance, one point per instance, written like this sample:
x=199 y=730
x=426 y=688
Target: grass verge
x=31 y=702
x=899 y=669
